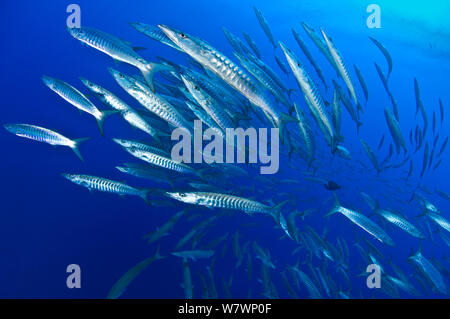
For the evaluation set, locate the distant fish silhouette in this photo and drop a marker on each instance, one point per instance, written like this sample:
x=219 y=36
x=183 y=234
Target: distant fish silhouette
x=331 y=186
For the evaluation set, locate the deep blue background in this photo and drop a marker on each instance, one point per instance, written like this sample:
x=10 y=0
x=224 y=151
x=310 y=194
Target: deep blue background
x=47 y=223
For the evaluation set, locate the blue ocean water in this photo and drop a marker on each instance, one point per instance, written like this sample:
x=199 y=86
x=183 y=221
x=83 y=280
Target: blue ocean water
x=48 y=223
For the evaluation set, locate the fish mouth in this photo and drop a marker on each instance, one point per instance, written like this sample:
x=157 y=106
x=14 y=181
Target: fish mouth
x=169 y=32
x=85 y=81
x=65 y=175
x=119 y=141
x=46 y=79
x=9 y=127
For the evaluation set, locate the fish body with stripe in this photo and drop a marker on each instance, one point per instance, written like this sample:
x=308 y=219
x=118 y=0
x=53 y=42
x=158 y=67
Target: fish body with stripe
x=232 y=74
x=106 y=185
x=265 y=26
x=216 y=200
x=118 y=49
x=430 y=272
x=217 y=113
x=128 y=113
x=339 y=63
x=160 y=161
x=153 y=32
x=76 y=98
x=400 y=222
x=363 y=222
x=151 y=101
x=44 y=135
x=394 y=129
x=312 y=96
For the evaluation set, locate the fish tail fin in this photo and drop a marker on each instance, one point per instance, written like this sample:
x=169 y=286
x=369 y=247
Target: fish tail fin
x=335 y=207
x=101 y=119
x=334 y=143
x=77 y=143
x=282 y=121
x=278 y=207
x=158 y=255
x=144 y=195
x=358 y=125
x=151 y=69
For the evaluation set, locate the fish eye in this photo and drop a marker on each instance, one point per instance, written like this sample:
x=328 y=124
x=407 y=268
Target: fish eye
x=121 y=76
x=182 y=195
x=183 y=35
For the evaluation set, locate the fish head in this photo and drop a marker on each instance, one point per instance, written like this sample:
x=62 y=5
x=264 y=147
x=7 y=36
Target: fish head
x=123 y=80
x=141 y=27
x=77 y=33
x=77 y=179
x=183 y=40
x=195 y=47
x=49 y=81
x=294 y=63
x=191 y=86
x=92 y=86
x=10 y=128
x=121 y=142
x=190 y=198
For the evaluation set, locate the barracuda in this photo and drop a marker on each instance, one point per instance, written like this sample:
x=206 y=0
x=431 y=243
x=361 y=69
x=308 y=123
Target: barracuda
x=306 y=134
x=439 y=220
x=362 y=221
x=339 y=63
x=371 y=155
x=106 y=185
x=77 y=99
x=211 y=107
x=220 y=65
x=205 y=118
x=320 y=43
x=151 y=101
x=154 y=33
x=265 y=26
x=159 y=160
x=399 y=221
x=118 y=49
x=216 y=200
x=44 y=135
x=130 y=115
x=263 y=78
x=312 y=96
x=140 y=146
x=394 y=129
x=310 y=58
x=430 y=271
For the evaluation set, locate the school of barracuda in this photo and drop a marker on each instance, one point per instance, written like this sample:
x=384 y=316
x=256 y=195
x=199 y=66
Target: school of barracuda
x=210 y=87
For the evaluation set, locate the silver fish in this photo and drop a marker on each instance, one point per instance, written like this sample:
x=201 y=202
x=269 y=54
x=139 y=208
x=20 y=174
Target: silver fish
x=128 y=113
x=220 y=65
x=339 y=63
x=363 y=222
x=106 y=185
x=151 y=101
x=312 y=96
x=430 y=271
x=265 y=26
x=77 y=99
x=119 y=50
x=224 y=201
x=44 y=135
